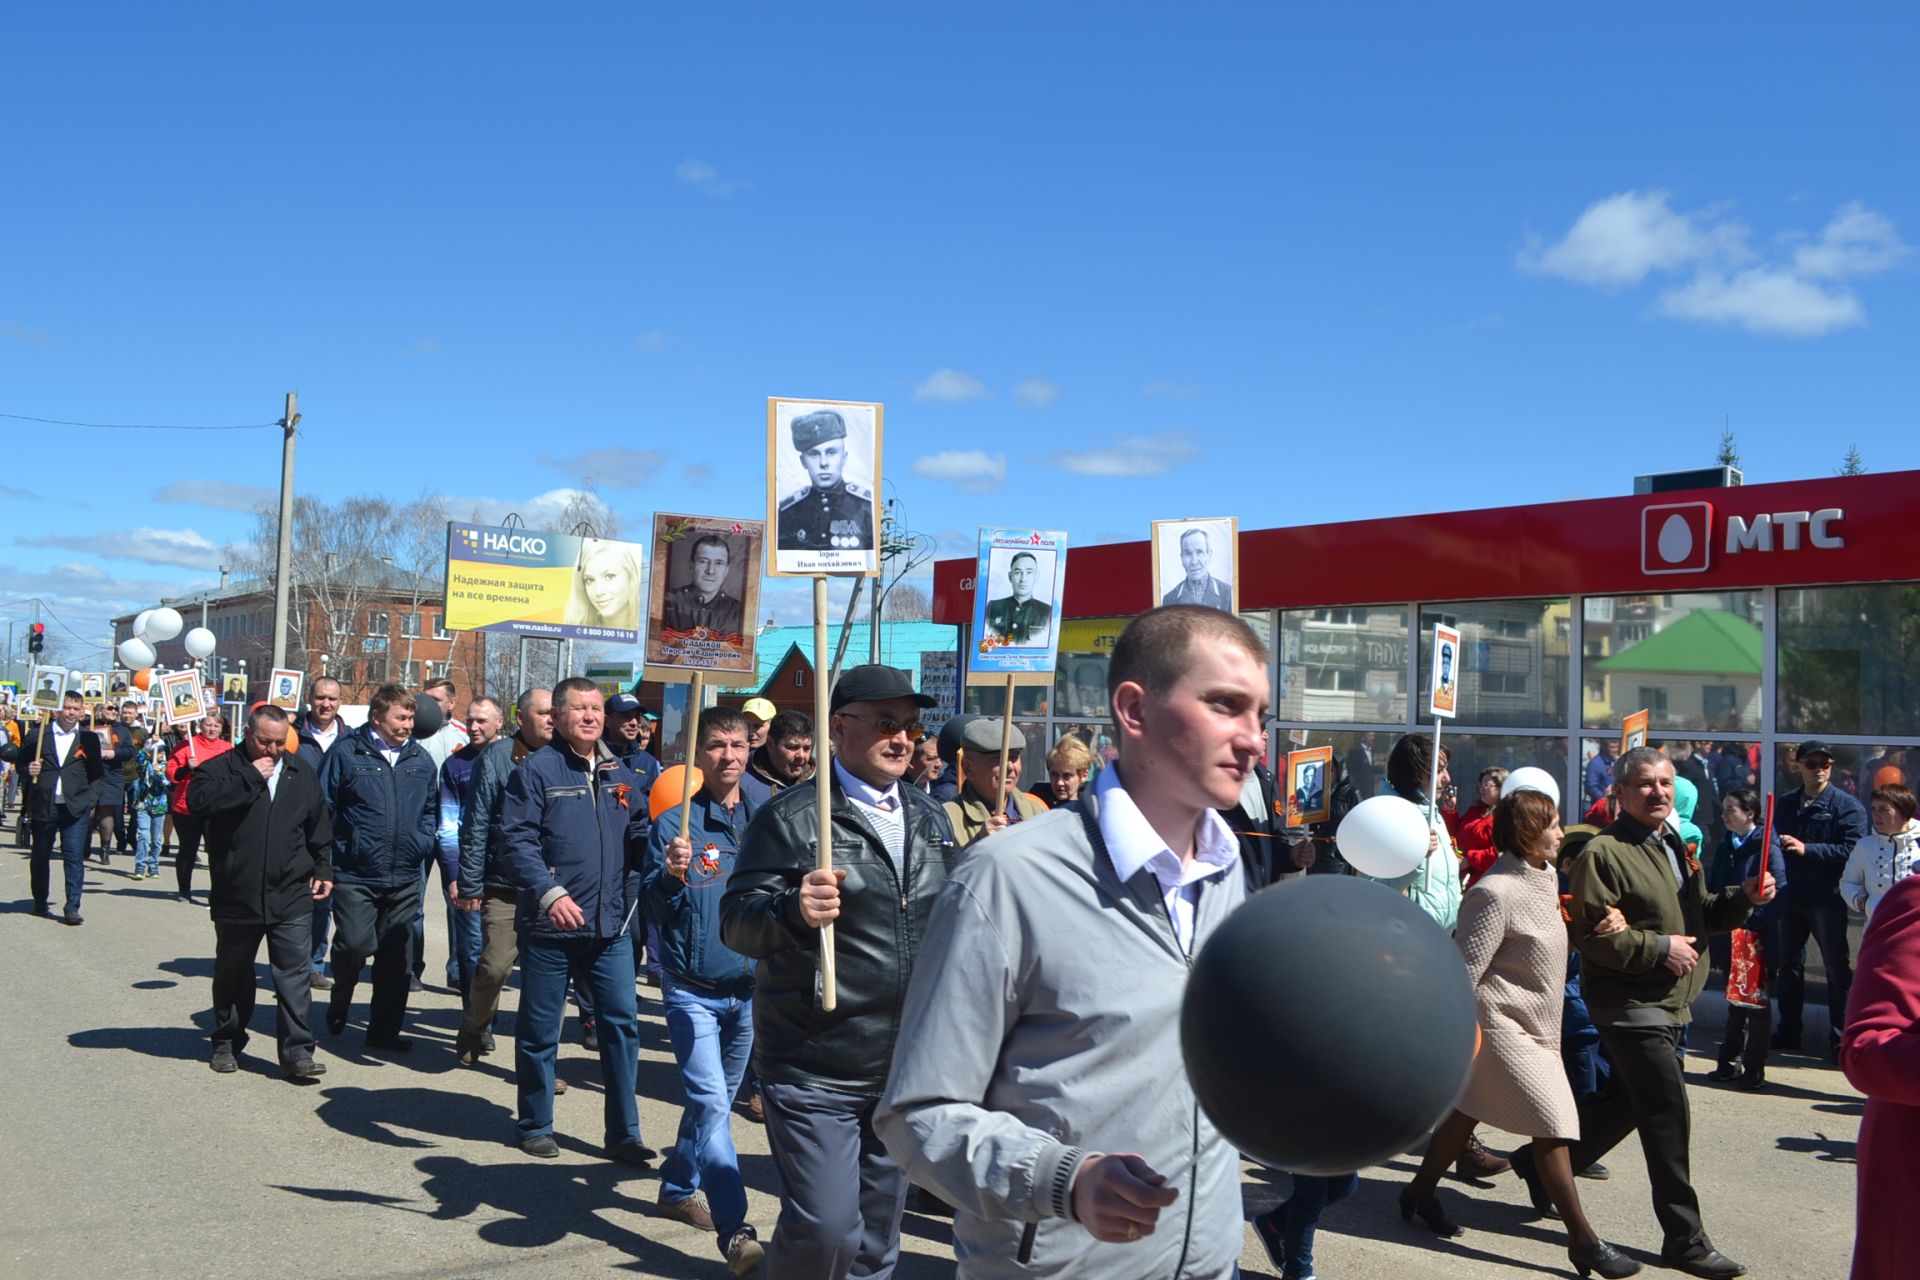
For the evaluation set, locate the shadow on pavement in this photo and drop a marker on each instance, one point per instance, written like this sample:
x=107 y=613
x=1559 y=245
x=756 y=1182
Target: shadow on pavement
x=1820 y=1146
x=189 y=967
x=379 y=1115
x=185 y=1043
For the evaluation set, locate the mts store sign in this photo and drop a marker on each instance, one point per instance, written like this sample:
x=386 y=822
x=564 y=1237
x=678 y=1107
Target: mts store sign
x=1679 y=537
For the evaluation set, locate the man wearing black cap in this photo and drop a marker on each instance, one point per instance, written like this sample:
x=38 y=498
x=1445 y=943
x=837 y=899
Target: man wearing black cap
x=624 y=724
x=1819 y=824
x=947 y=786
x=829 y=514
x=821 y=1071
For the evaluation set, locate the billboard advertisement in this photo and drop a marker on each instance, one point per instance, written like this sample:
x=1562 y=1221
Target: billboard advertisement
x=554 y=585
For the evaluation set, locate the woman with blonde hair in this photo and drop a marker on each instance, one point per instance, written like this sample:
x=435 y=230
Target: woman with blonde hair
x=606 y=586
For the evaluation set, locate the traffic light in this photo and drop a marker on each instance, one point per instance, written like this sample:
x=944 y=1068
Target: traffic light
x=37 y=638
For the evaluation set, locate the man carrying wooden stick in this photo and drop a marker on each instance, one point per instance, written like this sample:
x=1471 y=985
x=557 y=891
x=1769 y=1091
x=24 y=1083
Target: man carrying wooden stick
x=821 y=1070
x=990 y=797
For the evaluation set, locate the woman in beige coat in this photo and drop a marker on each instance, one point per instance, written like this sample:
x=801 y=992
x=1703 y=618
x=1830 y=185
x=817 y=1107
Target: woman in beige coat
x=1514 y=941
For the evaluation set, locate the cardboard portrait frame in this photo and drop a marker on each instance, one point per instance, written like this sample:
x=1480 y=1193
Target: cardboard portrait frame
x=231 y=681
x=1296 y=765
x=286 y=702
x=870 y=566
x=990 y=660
x=1443 y=703
x=1633 y=731
x=93 y=689
x=46 y=700
x=171 y=703
x=745 y=539
x=119 y=682
x=1165 y=542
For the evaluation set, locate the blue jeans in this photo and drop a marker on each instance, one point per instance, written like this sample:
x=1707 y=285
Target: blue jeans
x=606 y=966
x=149 y=835
x=712 y=1038
x=463 y=944
x=71 y=835
x=1300 y=1215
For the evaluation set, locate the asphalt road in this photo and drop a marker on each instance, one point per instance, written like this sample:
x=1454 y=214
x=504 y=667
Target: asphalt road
x=126 y=1157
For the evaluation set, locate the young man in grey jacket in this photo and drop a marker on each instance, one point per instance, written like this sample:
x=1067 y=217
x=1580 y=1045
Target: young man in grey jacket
x=1037 y=1082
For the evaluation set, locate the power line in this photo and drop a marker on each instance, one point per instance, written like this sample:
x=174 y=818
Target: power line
x=136 y=426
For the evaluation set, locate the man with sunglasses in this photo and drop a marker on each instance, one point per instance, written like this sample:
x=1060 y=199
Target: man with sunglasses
x=1819 y=824
x=821 y=1072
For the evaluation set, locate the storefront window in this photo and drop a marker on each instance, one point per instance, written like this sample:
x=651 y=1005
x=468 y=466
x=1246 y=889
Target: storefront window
x=1470 y=753
x=1857 y=770
x=1343 y=665
x=1714 y=769
x=1690 y=661
x=1513 y=660
x=1850 y=660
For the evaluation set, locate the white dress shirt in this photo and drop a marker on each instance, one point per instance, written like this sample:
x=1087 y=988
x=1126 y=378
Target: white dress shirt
x=883 y=812
x=1132 y=843
x=62 y=747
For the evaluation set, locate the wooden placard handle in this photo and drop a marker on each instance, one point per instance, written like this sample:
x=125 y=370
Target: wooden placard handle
x=696 y=694
x=823 y=783
x=1006 y=748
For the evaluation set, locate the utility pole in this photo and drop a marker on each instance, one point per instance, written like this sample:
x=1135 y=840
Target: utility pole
x=283 y=561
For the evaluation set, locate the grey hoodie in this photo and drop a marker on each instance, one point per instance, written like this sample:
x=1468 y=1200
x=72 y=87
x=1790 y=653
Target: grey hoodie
x=1042 y=1024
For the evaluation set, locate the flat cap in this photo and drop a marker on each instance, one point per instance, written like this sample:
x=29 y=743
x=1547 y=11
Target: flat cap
x=982 y=736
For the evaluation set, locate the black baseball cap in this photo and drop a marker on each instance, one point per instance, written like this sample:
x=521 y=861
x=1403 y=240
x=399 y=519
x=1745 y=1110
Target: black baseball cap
x=622 y=704
x=1814 y=747
x=951 y=736
x=876 y=683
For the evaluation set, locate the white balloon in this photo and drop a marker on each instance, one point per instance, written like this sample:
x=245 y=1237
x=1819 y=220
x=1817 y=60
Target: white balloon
x=164 y=624
x=1383 y=837
x=140 y=624
x=1531 y=779
x=136 y=653
x=199 y=643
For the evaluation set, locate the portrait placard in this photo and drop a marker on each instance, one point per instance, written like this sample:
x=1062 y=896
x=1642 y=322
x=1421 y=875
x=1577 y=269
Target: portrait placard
x=233 y=688
x=703 y=594
x=93 y=688
x=119 y=681
x=1309 y=799
x=823 y=470
x=1018 y=582
x=1443 y=685
x=49 y=685
x=1080 y=685
x=182 y=700
x=1633 y=731
x=1197 y=562
x=283 y=688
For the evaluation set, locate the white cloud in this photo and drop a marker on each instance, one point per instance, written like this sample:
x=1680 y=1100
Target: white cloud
x=1618 y=241
x=612 y=467
x=1036 y=393
x=949 y=386
x=1131 y=456
x=1172 y=390
x=703 y=177
x=31 y=337
x=542 y=511
x=1764 y=300
x=1624 y=239
x=182 y=548
x=970 y=470
x=218 y=493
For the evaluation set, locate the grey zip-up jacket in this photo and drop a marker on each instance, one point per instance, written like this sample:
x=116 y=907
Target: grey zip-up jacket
x=1042 y=1024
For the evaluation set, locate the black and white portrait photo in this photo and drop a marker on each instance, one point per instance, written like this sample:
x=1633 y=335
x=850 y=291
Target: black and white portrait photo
x=703 y=593
x=823 y=469
x=1080 y=685
x=1019 y=596
x=1197 y=562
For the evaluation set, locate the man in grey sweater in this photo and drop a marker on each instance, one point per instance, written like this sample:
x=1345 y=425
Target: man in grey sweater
x=1037 y=1082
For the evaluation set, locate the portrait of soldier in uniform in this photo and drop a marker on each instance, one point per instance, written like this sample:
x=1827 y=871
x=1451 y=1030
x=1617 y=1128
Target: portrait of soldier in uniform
x=1200 y=547
x=703 y=602
x=830 y=513
x=1017 y=617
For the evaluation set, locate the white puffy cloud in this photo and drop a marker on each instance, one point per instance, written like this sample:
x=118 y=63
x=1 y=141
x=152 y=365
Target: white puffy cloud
x=181 y=548
x=217 y=493
x=1858 y=242
x=1764 y=300
x=1622 y=239
x=970 y=470
x=1131 y=456
x=1036 y=393
x=950 y=386
x=613 y=467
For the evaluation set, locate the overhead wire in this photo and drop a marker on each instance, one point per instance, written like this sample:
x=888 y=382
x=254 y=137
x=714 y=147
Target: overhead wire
x=137 y=426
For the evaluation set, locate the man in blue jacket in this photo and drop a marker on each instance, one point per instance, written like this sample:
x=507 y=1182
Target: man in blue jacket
x=1819 y=824
x=707 y=989
x=575 y=824
x=383 y=793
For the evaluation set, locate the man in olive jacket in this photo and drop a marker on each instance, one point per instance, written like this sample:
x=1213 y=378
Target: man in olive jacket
x=841 y=1195
x=1640 y=985
x=270 y=853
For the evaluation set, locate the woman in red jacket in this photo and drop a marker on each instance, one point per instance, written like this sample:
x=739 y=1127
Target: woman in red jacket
x=1881 y=1055
x=199 y=748
x=1475 y=834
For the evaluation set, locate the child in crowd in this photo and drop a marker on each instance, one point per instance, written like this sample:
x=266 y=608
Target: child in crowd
x=1755 y=957
x=149 y=792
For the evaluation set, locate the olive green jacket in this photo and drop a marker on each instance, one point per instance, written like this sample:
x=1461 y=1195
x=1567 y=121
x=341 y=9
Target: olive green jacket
x=1627 y=866
x=968 y=813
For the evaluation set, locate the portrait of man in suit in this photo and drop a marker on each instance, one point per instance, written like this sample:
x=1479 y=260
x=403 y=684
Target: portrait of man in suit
x=1198 y=585
x=1017 y=617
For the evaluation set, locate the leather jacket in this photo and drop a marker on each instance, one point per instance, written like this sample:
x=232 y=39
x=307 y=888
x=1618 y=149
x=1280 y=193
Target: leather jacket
x=883 y=918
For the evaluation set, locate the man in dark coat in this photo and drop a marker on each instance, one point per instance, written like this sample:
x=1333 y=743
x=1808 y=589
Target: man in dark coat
x=63 y=768
x=270 y=854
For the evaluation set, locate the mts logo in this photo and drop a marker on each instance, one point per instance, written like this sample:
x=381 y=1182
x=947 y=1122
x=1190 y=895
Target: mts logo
x=1678 y=537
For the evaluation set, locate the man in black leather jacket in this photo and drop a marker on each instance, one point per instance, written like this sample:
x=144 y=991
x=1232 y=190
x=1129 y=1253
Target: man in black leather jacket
x=821 y=1072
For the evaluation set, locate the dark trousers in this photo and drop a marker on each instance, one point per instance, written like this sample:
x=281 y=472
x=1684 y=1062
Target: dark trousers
x=1746 y=1039
x=377 y=922
x=1651 y=1097
x=72 y=836
x=189 y=830
x=235 y=948
x=841 y=1194
x=1823 y=919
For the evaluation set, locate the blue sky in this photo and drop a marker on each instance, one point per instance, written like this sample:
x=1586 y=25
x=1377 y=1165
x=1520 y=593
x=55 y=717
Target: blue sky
x=1102 y=263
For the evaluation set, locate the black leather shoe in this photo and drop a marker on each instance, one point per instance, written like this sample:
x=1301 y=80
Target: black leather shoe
x=1596 y=1171
x=1603 y=1258
x=1709 y=1262
x=390 y=1044
x=637 y=1154
x=303 y=1069
x=223 y=1059
x=70 y=916
x=1428 y=1207
x=1536 y=1189
x=541 y=1145
x=337 y=1009
x=1724 y=1072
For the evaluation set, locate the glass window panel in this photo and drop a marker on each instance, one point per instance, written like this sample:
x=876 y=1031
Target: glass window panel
x=1343 y=665
x=1714 y=768
x=991 y=700
x=1513 y=660
x=1469 y=753
x=1080 y=685
x=1856 y=769
x=1691 y=660
x=1850 y=660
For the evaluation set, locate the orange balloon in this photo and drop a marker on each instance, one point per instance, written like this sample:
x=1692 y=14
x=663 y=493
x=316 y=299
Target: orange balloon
x=142 y=678
x=1888 y=776
x=669 y=789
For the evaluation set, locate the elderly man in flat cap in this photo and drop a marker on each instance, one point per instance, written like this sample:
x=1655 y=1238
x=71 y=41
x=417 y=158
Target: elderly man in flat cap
x=829 y=514
x=982 y=781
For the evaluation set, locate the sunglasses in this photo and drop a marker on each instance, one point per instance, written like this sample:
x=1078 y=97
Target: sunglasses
x=887 y=725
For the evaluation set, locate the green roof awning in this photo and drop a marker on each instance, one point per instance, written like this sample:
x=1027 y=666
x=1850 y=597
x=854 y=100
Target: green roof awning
x=1705 y=642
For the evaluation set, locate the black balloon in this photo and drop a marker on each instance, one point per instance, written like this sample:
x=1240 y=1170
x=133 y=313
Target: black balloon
x=1328 y=1025
x=427 y=716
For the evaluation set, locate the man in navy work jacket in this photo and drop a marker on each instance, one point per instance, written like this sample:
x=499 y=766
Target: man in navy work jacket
x=1819 y=824
x=575 y=824
x=707 y=988
x=383 y=792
